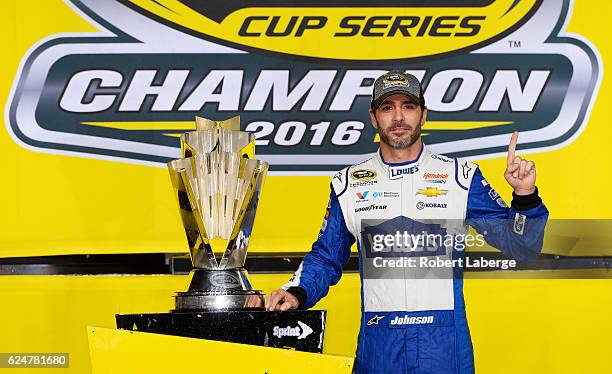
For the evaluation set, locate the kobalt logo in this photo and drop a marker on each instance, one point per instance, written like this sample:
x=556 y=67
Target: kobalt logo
x=422 y=205
x=128 y=92
x=301 y=331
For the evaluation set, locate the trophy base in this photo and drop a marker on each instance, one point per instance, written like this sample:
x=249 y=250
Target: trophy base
x=302 y=330
x=226 y=289
x=209 y=301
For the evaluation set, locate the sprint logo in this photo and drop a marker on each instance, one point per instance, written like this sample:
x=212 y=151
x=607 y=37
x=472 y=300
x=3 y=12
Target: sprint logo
x=300 y=332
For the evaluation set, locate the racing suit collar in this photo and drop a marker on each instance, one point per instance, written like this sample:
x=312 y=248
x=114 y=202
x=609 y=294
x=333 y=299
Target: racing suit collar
x=417 y=160
x=397 y=169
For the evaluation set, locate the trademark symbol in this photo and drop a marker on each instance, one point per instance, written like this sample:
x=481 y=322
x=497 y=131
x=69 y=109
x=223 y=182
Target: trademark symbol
x=514 y=43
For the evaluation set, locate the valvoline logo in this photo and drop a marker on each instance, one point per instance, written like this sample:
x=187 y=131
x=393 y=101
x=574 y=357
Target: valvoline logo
x=362 y=196
x=300 y=75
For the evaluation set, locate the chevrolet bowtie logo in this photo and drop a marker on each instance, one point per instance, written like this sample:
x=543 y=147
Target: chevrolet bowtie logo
x=431 y=192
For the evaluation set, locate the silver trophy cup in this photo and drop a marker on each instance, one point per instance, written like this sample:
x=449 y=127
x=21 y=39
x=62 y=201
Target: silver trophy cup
x=217 y=183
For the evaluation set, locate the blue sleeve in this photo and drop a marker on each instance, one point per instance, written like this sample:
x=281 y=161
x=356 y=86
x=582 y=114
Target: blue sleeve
x=518 y=231
x=322 y=266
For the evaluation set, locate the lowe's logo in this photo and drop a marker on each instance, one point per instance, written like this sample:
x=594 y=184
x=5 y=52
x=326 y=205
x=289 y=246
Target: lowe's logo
x=396 y=172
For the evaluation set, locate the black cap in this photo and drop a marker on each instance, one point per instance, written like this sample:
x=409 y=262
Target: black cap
x=395 y=82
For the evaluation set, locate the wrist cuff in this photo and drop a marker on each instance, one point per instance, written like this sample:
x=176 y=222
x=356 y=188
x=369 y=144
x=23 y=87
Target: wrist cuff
x=300 y=295
x=526 y=202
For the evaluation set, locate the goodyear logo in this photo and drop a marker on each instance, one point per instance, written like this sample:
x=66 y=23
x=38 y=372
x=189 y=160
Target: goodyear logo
x=363 y=175
x=300 y=74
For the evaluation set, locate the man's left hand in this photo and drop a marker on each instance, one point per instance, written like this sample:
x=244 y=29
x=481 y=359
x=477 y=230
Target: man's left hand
x=520 y=173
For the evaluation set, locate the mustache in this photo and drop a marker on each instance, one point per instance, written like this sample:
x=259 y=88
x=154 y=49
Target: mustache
x=400 y=125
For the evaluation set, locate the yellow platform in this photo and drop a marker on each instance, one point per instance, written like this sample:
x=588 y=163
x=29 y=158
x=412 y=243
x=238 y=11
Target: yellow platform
x=121 y=351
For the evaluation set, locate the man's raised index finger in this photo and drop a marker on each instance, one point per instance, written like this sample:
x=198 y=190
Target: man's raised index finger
x=512 y=147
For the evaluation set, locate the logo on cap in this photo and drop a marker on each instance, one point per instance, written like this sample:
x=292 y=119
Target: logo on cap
x=394 y=79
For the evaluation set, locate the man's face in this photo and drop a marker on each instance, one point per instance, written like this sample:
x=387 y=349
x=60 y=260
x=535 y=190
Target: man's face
x=398 y=121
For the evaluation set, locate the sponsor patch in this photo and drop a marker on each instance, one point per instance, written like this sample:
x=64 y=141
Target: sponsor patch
x=420 y=205
x=394 y=80
x=465 y=170
x=442 y=158
x=370 y=208
x=300 y=332
x=411 y=320
x=519 y=223
x=363 y=174
x=431 y=192
x=374 y=320
x=493 y=194
x=363 y=183
x=396 y=172
x=501 y=202
x=325 y=218
x=440 y=178
x=385 y=194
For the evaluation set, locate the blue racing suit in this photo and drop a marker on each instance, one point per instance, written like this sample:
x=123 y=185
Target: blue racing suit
x=413 y=313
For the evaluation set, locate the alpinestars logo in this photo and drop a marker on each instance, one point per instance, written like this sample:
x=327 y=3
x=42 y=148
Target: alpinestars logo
x=301 y=75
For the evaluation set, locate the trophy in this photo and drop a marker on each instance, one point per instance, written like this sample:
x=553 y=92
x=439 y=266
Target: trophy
x=217 y=183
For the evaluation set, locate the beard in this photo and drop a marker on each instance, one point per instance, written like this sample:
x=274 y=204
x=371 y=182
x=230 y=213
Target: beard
x=397 y=142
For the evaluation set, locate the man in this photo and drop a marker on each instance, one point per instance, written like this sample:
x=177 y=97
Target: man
x=413 y=318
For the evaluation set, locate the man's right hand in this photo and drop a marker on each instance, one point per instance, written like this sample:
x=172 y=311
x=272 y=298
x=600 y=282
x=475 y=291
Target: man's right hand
x=281 y=300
